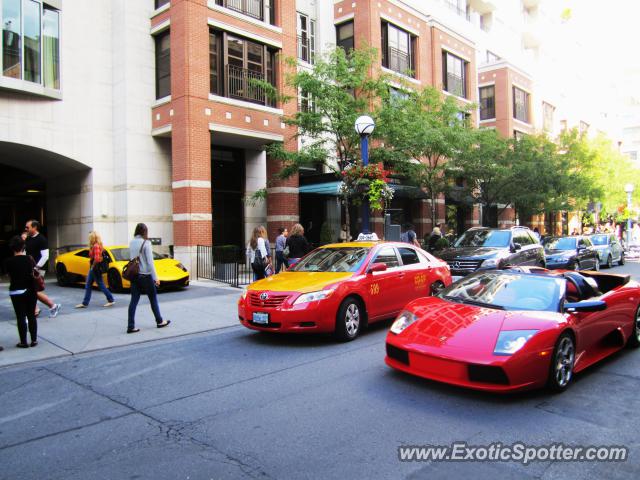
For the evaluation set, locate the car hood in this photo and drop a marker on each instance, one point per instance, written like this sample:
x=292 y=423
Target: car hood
x=471 y=252
x=302 y=282
x=444 y=325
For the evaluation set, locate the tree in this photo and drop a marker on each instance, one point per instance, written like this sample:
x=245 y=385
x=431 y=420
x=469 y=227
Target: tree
x=421 y=134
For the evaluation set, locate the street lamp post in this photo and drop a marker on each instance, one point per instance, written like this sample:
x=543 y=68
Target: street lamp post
x=365 y=126
x=629 y=189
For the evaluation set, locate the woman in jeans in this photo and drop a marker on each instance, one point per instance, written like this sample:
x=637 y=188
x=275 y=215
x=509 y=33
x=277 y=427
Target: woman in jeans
x=147 y=279
x=258 y=244
x=297 y=243
x=95 y=260
x=22 y=291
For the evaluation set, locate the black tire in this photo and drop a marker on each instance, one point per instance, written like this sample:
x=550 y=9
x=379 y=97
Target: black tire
x=634 y=339
x=562 y=363
x=349 y=320
x=609 y=261
x=436 y=287
x=61 y=275
x=115 y=280
x=621 y=261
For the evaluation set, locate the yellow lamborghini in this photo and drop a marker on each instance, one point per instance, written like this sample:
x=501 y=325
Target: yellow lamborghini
x=73 y=267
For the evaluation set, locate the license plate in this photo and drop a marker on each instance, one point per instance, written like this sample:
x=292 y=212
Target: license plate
x=260 y=317
x=455 y=278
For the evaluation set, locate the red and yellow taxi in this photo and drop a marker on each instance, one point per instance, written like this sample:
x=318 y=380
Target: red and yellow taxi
x=342 y=287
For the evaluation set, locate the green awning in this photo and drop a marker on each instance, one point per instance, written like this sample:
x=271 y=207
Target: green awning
x=333 y=188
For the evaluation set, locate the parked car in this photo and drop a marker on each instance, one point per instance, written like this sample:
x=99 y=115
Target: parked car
x=609 y=249
x=342 y=287
x=512 y=330
x=571 y=253
x=73 y=267
x=483 y=248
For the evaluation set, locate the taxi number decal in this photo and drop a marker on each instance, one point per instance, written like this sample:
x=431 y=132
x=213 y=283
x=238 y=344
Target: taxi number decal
x=420 y=280
x=374 y=289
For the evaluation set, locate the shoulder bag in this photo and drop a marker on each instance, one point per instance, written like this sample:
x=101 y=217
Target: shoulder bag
x=132 y=269
x=38 y=281
x=258 y=263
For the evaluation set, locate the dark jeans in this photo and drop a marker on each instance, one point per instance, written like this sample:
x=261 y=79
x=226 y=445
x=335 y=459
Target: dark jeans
x=143 y=284
x=87 y=288
x=280 y=261
x=25 y=307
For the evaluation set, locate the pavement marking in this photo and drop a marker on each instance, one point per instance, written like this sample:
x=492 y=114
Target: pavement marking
x=40 y=408
x=142 y=372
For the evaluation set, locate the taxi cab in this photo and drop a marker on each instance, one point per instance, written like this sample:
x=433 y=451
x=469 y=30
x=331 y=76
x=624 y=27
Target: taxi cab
x=342 y=287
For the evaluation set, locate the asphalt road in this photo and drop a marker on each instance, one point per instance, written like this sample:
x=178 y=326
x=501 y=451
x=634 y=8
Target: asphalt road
x=239 y=404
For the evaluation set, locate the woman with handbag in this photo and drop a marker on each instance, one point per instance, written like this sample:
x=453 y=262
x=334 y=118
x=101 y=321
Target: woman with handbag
x=257 y=253
x=22 y=290
x=96 y=269
x=297 y=244
x=146 y=279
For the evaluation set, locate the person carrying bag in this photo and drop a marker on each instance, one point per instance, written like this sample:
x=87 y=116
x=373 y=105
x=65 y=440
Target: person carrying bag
x=96 y=269
x=257 y=253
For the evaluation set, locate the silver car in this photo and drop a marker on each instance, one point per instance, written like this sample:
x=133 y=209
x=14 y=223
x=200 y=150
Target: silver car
x=609 y=249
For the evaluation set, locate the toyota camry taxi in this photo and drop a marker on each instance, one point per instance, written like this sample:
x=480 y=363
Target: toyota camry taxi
x=342 y=287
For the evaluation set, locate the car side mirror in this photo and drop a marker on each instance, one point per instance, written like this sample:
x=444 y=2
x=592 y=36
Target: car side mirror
x=585 y=306
x=377 y=267
x=515 y=247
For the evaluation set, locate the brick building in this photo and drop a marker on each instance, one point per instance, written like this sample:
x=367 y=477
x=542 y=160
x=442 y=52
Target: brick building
x=151 y=115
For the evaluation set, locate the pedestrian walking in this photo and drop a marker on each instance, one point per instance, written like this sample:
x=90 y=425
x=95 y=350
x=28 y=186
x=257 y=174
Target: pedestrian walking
x=147 y=279
x=37 y=247
x=268 y=271
x=257 y=253
x=432 y=244
x=297 y=243
x=281 y=243
x=410 y=236
x=96 y=270
x=22 y=291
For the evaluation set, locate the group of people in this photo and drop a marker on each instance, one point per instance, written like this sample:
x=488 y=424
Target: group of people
x=290 y=248
x=29 y=260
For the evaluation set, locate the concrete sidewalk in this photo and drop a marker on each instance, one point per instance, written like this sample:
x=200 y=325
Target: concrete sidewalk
x=201 y=307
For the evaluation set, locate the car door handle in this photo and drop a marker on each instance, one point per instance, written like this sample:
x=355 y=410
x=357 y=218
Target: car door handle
x=401 y=274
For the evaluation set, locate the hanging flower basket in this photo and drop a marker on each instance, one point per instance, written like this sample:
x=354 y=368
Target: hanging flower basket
x=369 y=182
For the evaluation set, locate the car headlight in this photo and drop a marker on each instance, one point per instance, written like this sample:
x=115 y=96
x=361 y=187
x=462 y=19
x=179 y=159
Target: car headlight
x=313 y=296
x=490 y=263
x=510 y=341
x=402 y=321
x=181 y=267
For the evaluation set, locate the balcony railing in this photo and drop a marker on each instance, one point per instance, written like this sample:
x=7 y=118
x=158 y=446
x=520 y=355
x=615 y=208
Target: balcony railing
x=251 y=8
x=305 y=49
x=399 y=61
x=241 y=85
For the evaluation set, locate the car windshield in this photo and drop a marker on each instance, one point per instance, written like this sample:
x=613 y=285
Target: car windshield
x=484 y=238
x=600 y=239
x=346 y=259
x=506 y=291
x=122 y=254
x=562 y=243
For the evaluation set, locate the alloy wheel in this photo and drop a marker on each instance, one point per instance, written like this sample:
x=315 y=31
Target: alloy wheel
x=352 y=319
x=565 y=357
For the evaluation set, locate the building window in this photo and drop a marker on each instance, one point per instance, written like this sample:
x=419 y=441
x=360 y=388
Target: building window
x=547 y=116
x=487 y=102
x=454 y=74
x=163 y=65
x=306 y=38
x=237 y=65
x=307 y=105
x=262 y=10
x=345 y=37
x=460 y=7
x=486 y=21
x=160 y=3
x=31 y=42
x=520 y=105
x=397 y=49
